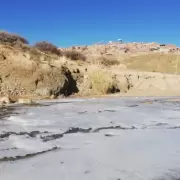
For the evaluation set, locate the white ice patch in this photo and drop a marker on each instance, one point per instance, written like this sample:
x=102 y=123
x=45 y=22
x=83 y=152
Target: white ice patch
x=149 y=151
x=29 y=144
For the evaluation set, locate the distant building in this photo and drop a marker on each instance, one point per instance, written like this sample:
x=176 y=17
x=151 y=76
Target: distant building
x=120 y=41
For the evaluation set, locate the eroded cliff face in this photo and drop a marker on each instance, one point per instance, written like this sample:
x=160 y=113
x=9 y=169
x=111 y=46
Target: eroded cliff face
x=33 y=73
x=29 y=72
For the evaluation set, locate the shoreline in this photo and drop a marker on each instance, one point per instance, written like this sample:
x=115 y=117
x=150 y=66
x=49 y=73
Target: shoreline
x=77 y=96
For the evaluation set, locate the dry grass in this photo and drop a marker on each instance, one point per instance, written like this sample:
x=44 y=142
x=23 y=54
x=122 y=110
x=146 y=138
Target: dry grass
x=108 y=61
x=74 y=55
x=154 y=62
x=12 y=39
x=102 y=82
x=48 y=47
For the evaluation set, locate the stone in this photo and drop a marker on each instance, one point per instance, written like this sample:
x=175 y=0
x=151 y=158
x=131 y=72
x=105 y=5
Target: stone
x=53 y=96
x=58 y=82
x=5 y=100
x=25 y=101
x=43 y=91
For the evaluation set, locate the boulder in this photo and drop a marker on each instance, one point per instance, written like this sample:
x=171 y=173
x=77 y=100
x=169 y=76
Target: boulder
x=43 y=91
x=5 y=100
x=59 y=81
x=26 y=74
x=25 y=101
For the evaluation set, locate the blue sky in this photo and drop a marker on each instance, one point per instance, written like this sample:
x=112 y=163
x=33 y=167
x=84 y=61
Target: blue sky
x=80 y=22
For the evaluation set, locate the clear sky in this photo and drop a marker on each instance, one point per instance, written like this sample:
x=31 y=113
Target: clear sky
x=80 y=22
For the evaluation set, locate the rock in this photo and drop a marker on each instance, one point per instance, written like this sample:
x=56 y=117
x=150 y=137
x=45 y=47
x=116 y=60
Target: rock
x=53 y=88
x=43 y=91
x=85 y=76
x=5 y=100
x=122 y=83
x=2 y=57
x=36 y=74
x=53 y=97
x=76 y=70
x=61 y=96
x=59 y=81
x=25 y=101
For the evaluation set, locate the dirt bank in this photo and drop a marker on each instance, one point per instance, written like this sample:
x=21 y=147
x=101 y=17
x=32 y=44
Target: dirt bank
x=76 y=139
x=28 y=72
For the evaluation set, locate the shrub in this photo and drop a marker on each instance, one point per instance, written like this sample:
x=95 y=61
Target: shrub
x=126 y=50
x=108 y=61
x=47 y=47
x=102 y=83
x=74 y=55
x=12 y=39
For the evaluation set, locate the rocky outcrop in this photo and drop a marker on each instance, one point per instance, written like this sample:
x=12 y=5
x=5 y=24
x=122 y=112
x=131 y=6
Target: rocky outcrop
x=5 y=100
x=30 y=73
x=24 y=101
x=33 y=73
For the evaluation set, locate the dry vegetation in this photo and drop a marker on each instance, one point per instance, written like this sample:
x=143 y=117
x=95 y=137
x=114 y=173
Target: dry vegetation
x=74 y=55
x=102 y=82
x=154 y=62
x=47 y=47
x=107 y=61
x=39 y=69
x=11 y=39
x=17 y=41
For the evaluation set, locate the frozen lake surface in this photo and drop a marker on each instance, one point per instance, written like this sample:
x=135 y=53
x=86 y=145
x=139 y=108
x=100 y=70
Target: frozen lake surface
x=91 y=139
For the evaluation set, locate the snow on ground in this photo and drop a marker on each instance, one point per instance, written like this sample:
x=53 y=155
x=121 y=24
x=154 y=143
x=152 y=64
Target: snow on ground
x=91 y=139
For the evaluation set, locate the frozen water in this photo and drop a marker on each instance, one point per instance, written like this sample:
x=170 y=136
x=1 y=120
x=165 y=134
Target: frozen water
x=85 y=139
